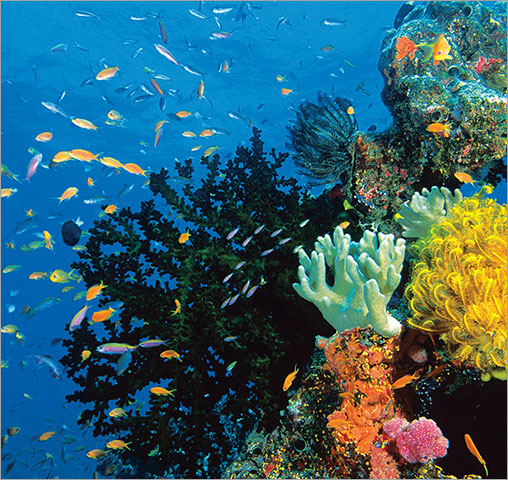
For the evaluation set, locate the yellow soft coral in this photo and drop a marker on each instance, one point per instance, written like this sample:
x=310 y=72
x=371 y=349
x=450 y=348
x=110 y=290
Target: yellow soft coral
x=458 y=288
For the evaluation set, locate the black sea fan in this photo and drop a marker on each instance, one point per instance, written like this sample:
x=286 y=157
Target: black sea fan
x=321 y=138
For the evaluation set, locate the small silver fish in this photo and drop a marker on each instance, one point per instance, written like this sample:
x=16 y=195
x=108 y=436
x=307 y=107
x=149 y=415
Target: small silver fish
x=232 y=233
x=240 y=265
x=284 y=240
x=246 y=286
x=274 y=234
x=267 y=252
x=305 y=222
x=259 y=229
x=227 y=277
x=225 y=302
x=252 y=291
x=246 y=241
x=234 y=299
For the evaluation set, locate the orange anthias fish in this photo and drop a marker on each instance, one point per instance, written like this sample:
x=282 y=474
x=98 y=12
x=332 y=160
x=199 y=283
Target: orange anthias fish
x=48 y=239
x=44 y=137
x=118 y=444
x=405 y=380
x=289 y=379
x=350 y=111
x=286 y=91
x=157 y=137
x=162 y=391
x=82 y=123
x=94 y=291
x=83 y=155
x=472 y=448
x=107 y=73
x=440 y=129
x=102 y=315
x=68 y=194
x=135 y=169
x=184 y=237
x=90 y=182
x=46 y=436
x=439 y=50
x=111 y=209
x=201 y=89
x=178 y=307
x=344 y=225
x=170 y=354
x=189 y=134
x=158 y=125
x=183 y=114
x=464 y=177
x=96 y=453
x=206 y=133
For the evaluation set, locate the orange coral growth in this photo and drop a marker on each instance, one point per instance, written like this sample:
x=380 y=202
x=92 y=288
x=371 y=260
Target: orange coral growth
x=361 y=362
x=404 y=47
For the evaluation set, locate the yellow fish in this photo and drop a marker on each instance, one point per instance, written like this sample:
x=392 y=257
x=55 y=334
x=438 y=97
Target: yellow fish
x=82 y=123
x=59 y=276
x=350 y=110
x=90 y=182
x=206 y=133
x=114 y=115
x=107 y=73
x=196 y=147
x=85 y=354
x=68 y=194
x=439 y=50
x=183 y=114
x=210 y=150
x=289 y=379
x=201 y=89
x=117 y=412
x=9 y=329
x=111 y=162
x=96 y=453
x=61 y=157
x=66 y=289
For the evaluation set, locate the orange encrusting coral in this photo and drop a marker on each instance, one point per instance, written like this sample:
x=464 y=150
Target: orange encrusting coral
x=404 y=47
x=458 y=288
x=361 y=362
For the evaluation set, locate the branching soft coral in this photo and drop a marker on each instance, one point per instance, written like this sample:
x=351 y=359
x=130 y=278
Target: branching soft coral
x=458 y=287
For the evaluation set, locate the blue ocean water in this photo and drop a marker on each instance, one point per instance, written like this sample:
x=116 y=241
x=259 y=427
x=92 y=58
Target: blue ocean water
x=268 y=39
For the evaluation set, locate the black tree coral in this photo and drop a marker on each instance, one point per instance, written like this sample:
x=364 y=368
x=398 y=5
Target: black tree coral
x=321 y=138
x=196 y=433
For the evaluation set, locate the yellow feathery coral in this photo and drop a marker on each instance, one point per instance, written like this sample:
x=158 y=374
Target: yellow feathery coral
x=458 y=287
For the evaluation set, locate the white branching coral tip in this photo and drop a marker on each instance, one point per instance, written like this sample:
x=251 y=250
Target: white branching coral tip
x=366 y=273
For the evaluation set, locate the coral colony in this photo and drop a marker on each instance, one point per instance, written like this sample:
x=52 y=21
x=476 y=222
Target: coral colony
x=216 y=314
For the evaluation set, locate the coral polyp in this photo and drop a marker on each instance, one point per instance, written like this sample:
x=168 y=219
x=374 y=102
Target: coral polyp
x=458 y=287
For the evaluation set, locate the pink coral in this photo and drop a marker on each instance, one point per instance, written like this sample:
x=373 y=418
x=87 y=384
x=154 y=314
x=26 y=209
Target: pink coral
x=382 y=463
x=420 y=441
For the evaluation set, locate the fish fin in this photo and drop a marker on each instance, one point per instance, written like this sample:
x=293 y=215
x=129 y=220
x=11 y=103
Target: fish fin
x=428 y=50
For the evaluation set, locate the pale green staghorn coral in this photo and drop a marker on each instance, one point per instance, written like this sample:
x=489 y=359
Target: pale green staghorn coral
x=365 y=277
x=426 y=209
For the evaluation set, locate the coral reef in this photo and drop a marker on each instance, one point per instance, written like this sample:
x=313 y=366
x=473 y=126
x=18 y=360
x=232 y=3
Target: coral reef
x=138 y=256
x=425 y=210
x=458 y=286
x=449 y=115
x=321 y=137
x=365 y=275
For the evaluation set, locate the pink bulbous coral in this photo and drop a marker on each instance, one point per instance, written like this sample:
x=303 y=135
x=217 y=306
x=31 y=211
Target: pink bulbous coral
x=419 y=441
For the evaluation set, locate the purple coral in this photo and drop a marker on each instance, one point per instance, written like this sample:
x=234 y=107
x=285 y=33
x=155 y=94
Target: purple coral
x=420 y=441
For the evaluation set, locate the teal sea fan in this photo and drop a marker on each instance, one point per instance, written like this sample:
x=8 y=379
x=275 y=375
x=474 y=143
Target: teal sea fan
x=321 y=137
x=137 y=254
